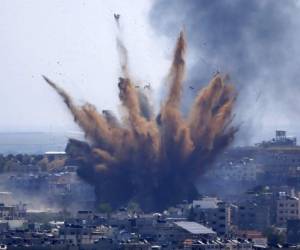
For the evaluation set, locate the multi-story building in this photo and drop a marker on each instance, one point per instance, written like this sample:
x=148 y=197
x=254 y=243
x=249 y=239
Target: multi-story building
x=214 y=213
x=13 y=216
x=12 y=212
x=252 y=215
x=81 y=234
x=170 y=231
x=245 y=169
x=288 y=208
x=176 y=232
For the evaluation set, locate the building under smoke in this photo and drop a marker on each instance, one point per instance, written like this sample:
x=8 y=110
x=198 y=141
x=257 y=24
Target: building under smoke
x=151 y=159
x=280 y=140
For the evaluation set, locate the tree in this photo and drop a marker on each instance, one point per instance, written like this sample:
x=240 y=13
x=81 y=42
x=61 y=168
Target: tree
x=274 y=236
x=133 y=207
x=105 y=208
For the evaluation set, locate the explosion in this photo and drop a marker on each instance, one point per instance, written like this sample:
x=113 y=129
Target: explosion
x=150 y=159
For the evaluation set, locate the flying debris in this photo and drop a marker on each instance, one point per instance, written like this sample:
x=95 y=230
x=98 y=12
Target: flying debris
x=216 y=73
x=117 y=17
x=151 y=159
x=147 y=86
x=258 y=96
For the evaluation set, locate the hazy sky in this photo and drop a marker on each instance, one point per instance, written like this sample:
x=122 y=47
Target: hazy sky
x=73 y=43
x=257 y=42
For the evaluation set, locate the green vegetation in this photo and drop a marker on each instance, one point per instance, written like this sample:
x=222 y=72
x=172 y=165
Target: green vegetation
x=20 y=162
x=274 y=236
x=105 y=208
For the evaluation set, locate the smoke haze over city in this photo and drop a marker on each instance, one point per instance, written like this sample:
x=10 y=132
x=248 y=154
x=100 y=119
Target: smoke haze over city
x=256 y=42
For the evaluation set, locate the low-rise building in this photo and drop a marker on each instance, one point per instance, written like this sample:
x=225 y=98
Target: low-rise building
x=217 y=244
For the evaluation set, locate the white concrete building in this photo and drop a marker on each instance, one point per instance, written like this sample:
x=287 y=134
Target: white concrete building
x=288 y=207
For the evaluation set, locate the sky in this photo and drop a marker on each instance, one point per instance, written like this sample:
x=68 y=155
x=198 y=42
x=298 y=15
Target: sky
x=256 y=42
x=73 y=43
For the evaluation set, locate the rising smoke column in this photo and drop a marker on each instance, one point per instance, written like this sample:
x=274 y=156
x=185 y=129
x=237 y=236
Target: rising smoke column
x=256 y=42
x=152 y=160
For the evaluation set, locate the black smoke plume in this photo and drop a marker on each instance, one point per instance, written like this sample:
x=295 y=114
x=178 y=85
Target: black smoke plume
x=256 y=42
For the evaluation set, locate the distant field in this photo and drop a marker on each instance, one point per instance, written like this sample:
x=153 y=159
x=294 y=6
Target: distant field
x=34 y=142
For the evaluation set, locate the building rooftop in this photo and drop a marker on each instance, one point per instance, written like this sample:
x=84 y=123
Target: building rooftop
x=194 y=227
x=55 y=153
x=206 y=203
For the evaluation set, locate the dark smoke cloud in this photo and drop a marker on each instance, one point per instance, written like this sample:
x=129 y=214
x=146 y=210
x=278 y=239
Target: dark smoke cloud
x=256 y=42
x=152 y=160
